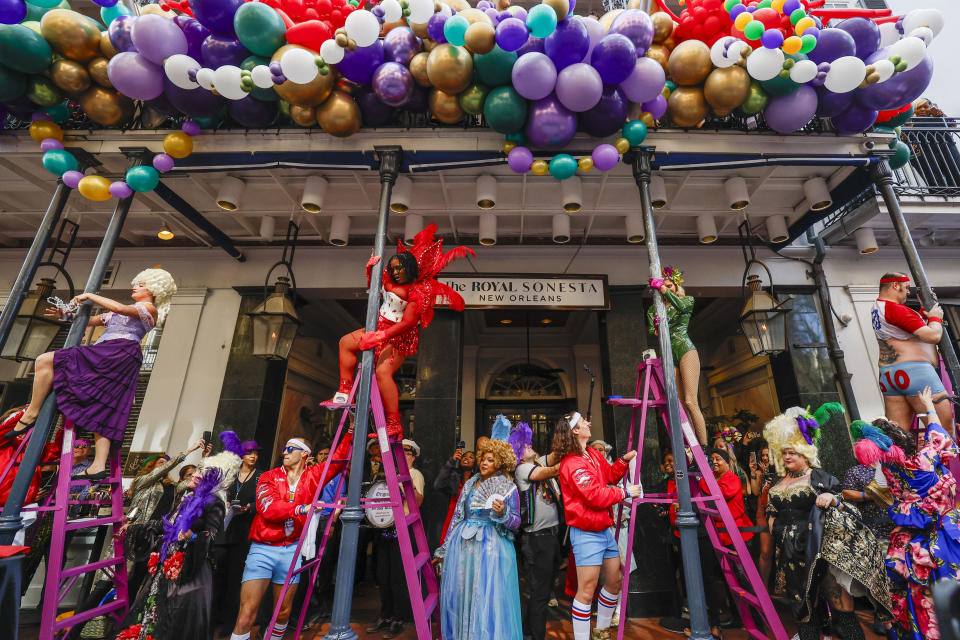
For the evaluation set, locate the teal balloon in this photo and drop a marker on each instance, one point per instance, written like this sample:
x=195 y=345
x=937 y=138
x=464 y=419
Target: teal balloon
x=563 y=166
x=109 y=14
x=12 y=84
x=259 y=28
x=455 y=30
x=263 y=95
x=901 y=155
x=635 y=132
x=142 y=178
x=519 y=137
x=541 y=21
x=46 y=4
x=505 y=110
x=58 y=162
x=213 y=121
x=59 y=112
x=494 y=69
x=23 y=49
x=35 y=11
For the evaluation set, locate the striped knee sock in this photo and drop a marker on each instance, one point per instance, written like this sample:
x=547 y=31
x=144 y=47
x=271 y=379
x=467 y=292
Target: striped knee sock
x=581 y=620
x=240 y=636
x=606 y=605
x=278 y=631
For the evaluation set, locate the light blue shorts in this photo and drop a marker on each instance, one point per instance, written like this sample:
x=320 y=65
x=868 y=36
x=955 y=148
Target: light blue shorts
x=591 y=548
x=909 y=378
x=267 y=561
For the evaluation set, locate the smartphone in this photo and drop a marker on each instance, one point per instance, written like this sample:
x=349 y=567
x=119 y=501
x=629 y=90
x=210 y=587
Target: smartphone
x=461 y=445
x=753 y=458
x=207 y=437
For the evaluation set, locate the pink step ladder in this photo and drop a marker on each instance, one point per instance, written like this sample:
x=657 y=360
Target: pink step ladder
x=752 y=600
x=414 y=550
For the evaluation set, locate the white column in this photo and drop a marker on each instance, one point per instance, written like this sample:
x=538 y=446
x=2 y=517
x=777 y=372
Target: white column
x=860 y=348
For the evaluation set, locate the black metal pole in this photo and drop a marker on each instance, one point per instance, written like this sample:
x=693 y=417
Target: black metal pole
x=687 y=521
x=882 y=177
x=10 y=521
x=28 y=270
x=390 y=160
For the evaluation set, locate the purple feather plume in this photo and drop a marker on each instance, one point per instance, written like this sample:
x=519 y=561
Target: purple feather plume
x=807 y=428
x=520 y=438
x=192 y=506
x=231 y=442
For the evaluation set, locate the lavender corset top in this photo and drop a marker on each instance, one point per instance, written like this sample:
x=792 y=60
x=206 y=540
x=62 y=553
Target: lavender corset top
x=124 y=327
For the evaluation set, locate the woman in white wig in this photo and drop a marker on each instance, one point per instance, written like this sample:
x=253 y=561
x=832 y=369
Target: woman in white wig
x=95 y=383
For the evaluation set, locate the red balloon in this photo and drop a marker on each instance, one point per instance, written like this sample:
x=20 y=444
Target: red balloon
x=769 y=17
x=310 y=34
x=336 y=17
x=324 y=7
x=712 y=25
x=311 y=14
x=711 y=5
x=699 y=14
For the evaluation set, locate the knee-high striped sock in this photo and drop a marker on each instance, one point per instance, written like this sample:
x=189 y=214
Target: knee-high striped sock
x=240 y=636
x=581 y=620
x=606 y=605
x=278 y=631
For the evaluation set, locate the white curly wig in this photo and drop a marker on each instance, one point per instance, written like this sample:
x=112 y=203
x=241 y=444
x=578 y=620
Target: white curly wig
x=160 y=283
x=783 y=432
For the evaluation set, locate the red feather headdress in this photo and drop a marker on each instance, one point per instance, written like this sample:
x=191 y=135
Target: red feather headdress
x=427 y=291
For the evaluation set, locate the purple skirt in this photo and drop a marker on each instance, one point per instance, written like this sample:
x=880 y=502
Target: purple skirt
x=96 y=384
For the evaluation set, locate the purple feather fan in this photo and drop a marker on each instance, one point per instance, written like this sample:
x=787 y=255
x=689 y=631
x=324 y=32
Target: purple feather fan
x=191 y=507
x=520 y=438
x=231 y=442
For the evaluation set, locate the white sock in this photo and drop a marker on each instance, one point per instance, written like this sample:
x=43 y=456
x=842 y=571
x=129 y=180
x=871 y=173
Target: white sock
x=606 y=605
x=278 y=631
x=581 y=620
x=240 y=636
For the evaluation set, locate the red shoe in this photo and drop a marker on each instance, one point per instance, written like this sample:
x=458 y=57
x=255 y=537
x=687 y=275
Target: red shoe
x=394 y=428
x=342 y=396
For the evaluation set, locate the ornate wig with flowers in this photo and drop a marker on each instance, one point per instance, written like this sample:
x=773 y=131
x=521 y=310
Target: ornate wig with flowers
x=160 y=283
x=798 y=429
x=880 y=441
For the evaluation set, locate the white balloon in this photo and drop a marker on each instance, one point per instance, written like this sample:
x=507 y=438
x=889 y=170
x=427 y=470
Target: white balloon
x=363 y=27
x=931 y=18
x=445 y=9
x=392 y=11
x=765 y=64
x=888 y=34
x=298 y=66
x=226 y=80
x=923 y=33
x=845 y=74
x=911 y=50
x=804 y=71
x=420 y=11
x=718 y=53
x=884 y=69
x=262 y=77
x=736 y=49
x=331 y=52
x=205 y=78
x=177 y=68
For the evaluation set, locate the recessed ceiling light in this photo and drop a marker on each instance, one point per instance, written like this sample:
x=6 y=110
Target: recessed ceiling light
x=165 y=233
x=506 y=321
x=546 y=321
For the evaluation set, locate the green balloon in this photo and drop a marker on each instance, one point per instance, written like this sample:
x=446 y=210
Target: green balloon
x=58 y=112
x=263 y=95
x=58 y=162
x=43 y=92
x=563 y=166
x=472 y=99
x=259 y=28
x=12 y=84
x=901 y=155
x=518 y=137
x=753 y=30
x=494 y=69
x=142 y=178
x=635 y=132
x=756 y=101
x=35 y=12
x=214 y=121
x=505 y=110
x=24 y=49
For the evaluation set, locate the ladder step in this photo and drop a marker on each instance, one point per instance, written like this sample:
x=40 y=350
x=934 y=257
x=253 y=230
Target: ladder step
x=93 y=566
x=88 y=483
x=746 y=595
x=89 y=522
x=338 y=405
x=421 y=559
x=709 y=511
x=634 y=402
x=430 y=603
x=403 y=478
x=410 y=518
x=90 y=614
x=727 y=551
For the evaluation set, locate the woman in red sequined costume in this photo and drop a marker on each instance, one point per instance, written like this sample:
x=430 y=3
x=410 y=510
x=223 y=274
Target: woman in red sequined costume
x=410 y=290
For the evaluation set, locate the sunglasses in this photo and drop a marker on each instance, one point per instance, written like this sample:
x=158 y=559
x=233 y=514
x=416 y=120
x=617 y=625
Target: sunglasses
x=408 y=450
x=289 y=449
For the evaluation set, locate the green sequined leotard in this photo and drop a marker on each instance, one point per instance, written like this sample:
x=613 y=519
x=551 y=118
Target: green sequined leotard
x=679 y=311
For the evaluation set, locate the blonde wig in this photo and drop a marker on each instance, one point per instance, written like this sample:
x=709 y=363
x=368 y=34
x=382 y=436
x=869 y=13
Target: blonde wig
x=503 y=455
x=783 y=432
x=160 y=283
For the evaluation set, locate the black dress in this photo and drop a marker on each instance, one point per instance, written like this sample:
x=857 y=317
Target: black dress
x=230 y=551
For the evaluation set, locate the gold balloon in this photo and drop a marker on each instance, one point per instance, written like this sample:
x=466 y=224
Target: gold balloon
x=418 y=69
x=96 y=188
x=670 y=43
x=474 y=16
x=585 y=164
x=339 y=115
x=348 y=87
x=607 y=19
x=480 y=38
x=450 y=68
x=107 y=49
x=303 y=116
x=659 y=53
x=71 y=34
x=665 y=92
x=70 y=76
x=622 y=145
x=726 y=89
x=562 y=7
x=662 y=26
x=106 y=107
x=40 y=130
x=310 y=94
x=178 y=144
x=508 y=147
x=459 y=5
x=98 y=72
x=689 y=63
x=647 y=118
x=155 y=9
x=540 y=167
x=429 y=45
x=687 y=106
x=502 y=5
x=419 y=29
x=445 y=107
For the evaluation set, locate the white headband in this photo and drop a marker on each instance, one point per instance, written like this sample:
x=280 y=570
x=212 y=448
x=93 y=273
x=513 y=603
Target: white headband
x=574 y=419
x=297 y=442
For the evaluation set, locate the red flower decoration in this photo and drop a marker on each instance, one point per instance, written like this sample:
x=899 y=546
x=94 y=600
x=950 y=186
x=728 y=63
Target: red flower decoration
x=153 y=562
x=173 y=565
x=130 y=633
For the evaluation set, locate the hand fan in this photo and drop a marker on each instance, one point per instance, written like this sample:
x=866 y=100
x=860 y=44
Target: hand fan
x=497 y=487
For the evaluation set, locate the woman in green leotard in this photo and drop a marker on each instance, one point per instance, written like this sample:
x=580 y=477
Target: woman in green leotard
x=685 y=357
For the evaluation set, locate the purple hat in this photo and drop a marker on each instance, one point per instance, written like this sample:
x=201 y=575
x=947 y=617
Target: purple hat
x=250 y=445
x=81 y=443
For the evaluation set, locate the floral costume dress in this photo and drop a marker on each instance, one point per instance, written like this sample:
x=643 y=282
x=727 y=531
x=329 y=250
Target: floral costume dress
x=925 y=546
x=679 y=312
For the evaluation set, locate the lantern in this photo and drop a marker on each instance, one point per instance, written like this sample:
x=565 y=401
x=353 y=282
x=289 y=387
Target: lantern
x=275 y=323
x=763 y=321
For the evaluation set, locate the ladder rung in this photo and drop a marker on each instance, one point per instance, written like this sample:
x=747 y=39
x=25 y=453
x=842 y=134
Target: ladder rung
x=90 y=614
x=87 y=483
x=338 y=405
x=421 y=559
x=709 y=511
x=727 y=551
x=89 y=522
x=403 y=478
x=429 y=604
x=759 y=635
x=410 y=518
x=743 y=594
x=93 y=566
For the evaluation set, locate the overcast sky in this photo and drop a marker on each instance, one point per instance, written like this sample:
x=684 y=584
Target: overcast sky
x=944 y=89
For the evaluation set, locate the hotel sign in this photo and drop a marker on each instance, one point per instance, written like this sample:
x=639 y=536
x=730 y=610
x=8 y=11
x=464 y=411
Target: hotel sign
x=490 y=291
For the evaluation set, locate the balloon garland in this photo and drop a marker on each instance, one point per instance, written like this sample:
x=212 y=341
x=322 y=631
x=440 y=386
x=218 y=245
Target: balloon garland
x=764 y=22
x=63 y=164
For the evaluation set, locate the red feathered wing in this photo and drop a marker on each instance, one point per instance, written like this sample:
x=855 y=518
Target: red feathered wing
x=427 y=291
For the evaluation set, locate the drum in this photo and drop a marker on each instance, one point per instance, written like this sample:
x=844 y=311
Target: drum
x=379 y=517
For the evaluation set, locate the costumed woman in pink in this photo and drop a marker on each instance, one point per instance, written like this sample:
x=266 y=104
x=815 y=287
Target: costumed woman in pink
x=410 y=290
x=95 y=384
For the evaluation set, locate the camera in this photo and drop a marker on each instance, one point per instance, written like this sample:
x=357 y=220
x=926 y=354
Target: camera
x=461 y=445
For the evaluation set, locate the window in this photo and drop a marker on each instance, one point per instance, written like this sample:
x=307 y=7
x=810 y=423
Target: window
x=526 y=381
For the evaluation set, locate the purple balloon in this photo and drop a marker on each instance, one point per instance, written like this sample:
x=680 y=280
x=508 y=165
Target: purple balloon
x=519 y=159
x=393 y=83
x=511 y=34
x=49 y=144
x=568 y=44
x=358 y=65
x=216 y=15
x=531 y=45
x=609 y=114
x=134 y=76
x=856 y=119
x=900 y=89
x=785 y=114
x=605 y=157
x=550 y=124
x=374 y=112
x=251 y=113
x=832 y=104
x=72 y=178
x=615 y=58
x=162 y=162
x=534 y=76
x=195 y=33
x=419 y=100
x=120 y=189
x=190 y=128
x=218 y=51
x=865 y=34
x=645 y=81
x=157 y=38
x=434 y=28
x=119 y=33
x=579 y=87
x=12 y=11
x=636 y=25
x=400 y=45
x=196 y=103
x=832 y=44
x=657 y=107
x=494 y=16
